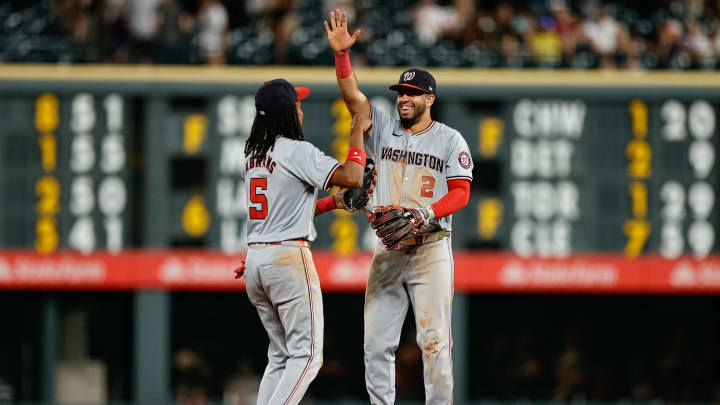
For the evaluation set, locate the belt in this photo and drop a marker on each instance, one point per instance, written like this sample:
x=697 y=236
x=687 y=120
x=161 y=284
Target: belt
x=293 y=242
x=422 y=239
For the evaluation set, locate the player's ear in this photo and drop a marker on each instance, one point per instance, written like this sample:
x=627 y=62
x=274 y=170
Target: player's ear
x=430 y=100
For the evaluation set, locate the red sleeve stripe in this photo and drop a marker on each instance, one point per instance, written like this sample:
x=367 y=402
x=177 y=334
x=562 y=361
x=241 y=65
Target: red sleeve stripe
x=327 y=186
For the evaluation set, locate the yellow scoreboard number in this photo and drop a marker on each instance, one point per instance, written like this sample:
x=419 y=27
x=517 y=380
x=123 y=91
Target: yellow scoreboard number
x=47 y=187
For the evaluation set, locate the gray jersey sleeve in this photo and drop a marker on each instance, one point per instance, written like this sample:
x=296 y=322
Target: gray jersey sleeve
x=382 y=124
x=310 y=165
x=459 y=161
x=242 y=172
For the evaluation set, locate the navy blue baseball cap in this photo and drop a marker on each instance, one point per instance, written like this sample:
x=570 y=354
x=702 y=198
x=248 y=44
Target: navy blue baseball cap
x=417 y=79
x=278 y=95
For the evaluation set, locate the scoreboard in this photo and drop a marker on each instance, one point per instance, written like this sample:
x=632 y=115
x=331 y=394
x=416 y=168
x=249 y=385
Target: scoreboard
x=66 y=172
x=107 y=161
x=635 y=175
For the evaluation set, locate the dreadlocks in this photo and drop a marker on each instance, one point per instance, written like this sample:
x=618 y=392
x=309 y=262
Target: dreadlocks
x=267 y=127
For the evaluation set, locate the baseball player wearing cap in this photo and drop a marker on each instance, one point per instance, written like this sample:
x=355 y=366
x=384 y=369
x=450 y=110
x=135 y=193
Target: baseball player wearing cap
x=283 y=174
x=425 y=166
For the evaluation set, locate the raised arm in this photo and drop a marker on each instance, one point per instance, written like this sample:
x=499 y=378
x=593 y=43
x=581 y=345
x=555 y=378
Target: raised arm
x=350 y=173
x=340 y=41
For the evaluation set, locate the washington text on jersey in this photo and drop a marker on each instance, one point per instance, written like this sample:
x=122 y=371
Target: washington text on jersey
x=414 y=158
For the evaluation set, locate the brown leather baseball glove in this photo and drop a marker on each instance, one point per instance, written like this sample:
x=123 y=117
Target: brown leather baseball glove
x=357 y=198
x=393 y=223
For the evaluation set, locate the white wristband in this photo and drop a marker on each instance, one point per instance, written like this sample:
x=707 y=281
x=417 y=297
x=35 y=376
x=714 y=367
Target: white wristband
x=430 y=213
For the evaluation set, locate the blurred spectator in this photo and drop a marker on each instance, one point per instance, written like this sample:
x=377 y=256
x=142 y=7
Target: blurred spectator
x=348 y=6
x=570 y=370
x=715 y=39
x=675 y=368
x=75 y=16
x=642 y=391
x=466 y=12
x=608 y=38
x=171 y=25
x=143 y=28
x=191 y=377
x=669 y=45
x=546 y=43
x=528 y=370
x=672 y=34
x=113 y=30
x=329 y=382
x=503 y=23
x=432 y=22
x=523 y=23
x=242 y=386
x=212 y=27
x=567 y=27
x=498 y=33
x=699 y=46
x=99 y=25
x=496 y=374
x=7 y=394
x=281 y=19
x=254 y=9
x=356 y=14
x=693 y=9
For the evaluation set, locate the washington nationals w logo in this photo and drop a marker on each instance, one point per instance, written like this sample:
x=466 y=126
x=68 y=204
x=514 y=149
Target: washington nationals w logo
x=408 y=76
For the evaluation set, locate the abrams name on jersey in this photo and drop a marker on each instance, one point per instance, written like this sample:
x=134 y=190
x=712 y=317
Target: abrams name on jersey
x=261 y=161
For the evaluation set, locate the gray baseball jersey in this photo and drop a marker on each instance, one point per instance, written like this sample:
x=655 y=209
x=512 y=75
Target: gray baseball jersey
x=281 y=279
x=282 y=190
x=415 y=168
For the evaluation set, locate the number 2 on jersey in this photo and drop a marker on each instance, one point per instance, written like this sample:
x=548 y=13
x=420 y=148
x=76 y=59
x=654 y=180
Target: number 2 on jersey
x=428 y=185
x=258 y=198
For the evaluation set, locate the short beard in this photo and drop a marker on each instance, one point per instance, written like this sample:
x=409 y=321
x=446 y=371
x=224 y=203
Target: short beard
x=409 y=122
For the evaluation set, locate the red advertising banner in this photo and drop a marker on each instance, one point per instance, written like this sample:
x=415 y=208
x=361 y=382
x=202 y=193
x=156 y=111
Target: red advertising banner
x=474 y=272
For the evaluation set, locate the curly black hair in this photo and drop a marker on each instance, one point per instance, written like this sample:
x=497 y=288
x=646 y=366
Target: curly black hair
x=267 y=127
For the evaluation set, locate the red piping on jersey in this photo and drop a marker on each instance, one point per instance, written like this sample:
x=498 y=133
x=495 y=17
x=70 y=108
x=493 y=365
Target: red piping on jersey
x=457 y=197
x=312 y=329
x=452 y=295
x=327 y=186
x=432 y=124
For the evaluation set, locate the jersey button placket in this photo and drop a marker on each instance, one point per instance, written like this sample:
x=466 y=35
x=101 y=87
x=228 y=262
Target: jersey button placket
x=405 y=176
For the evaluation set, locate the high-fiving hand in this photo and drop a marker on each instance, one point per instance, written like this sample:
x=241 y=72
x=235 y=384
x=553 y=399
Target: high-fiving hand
x=361 y=124
x=339 y=37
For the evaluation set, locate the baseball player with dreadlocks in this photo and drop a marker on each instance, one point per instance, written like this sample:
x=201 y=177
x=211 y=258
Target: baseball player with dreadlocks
x=424 y=174
x=283 y=174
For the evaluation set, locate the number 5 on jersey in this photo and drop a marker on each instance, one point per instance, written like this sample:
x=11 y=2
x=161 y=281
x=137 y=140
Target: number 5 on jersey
x=258 y=198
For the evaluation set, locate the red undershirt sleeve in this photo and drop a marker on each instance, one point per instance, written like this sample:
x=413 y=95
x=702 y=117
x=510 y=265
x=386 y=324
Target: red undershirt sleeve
x=324 y=205
x=457 y=197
